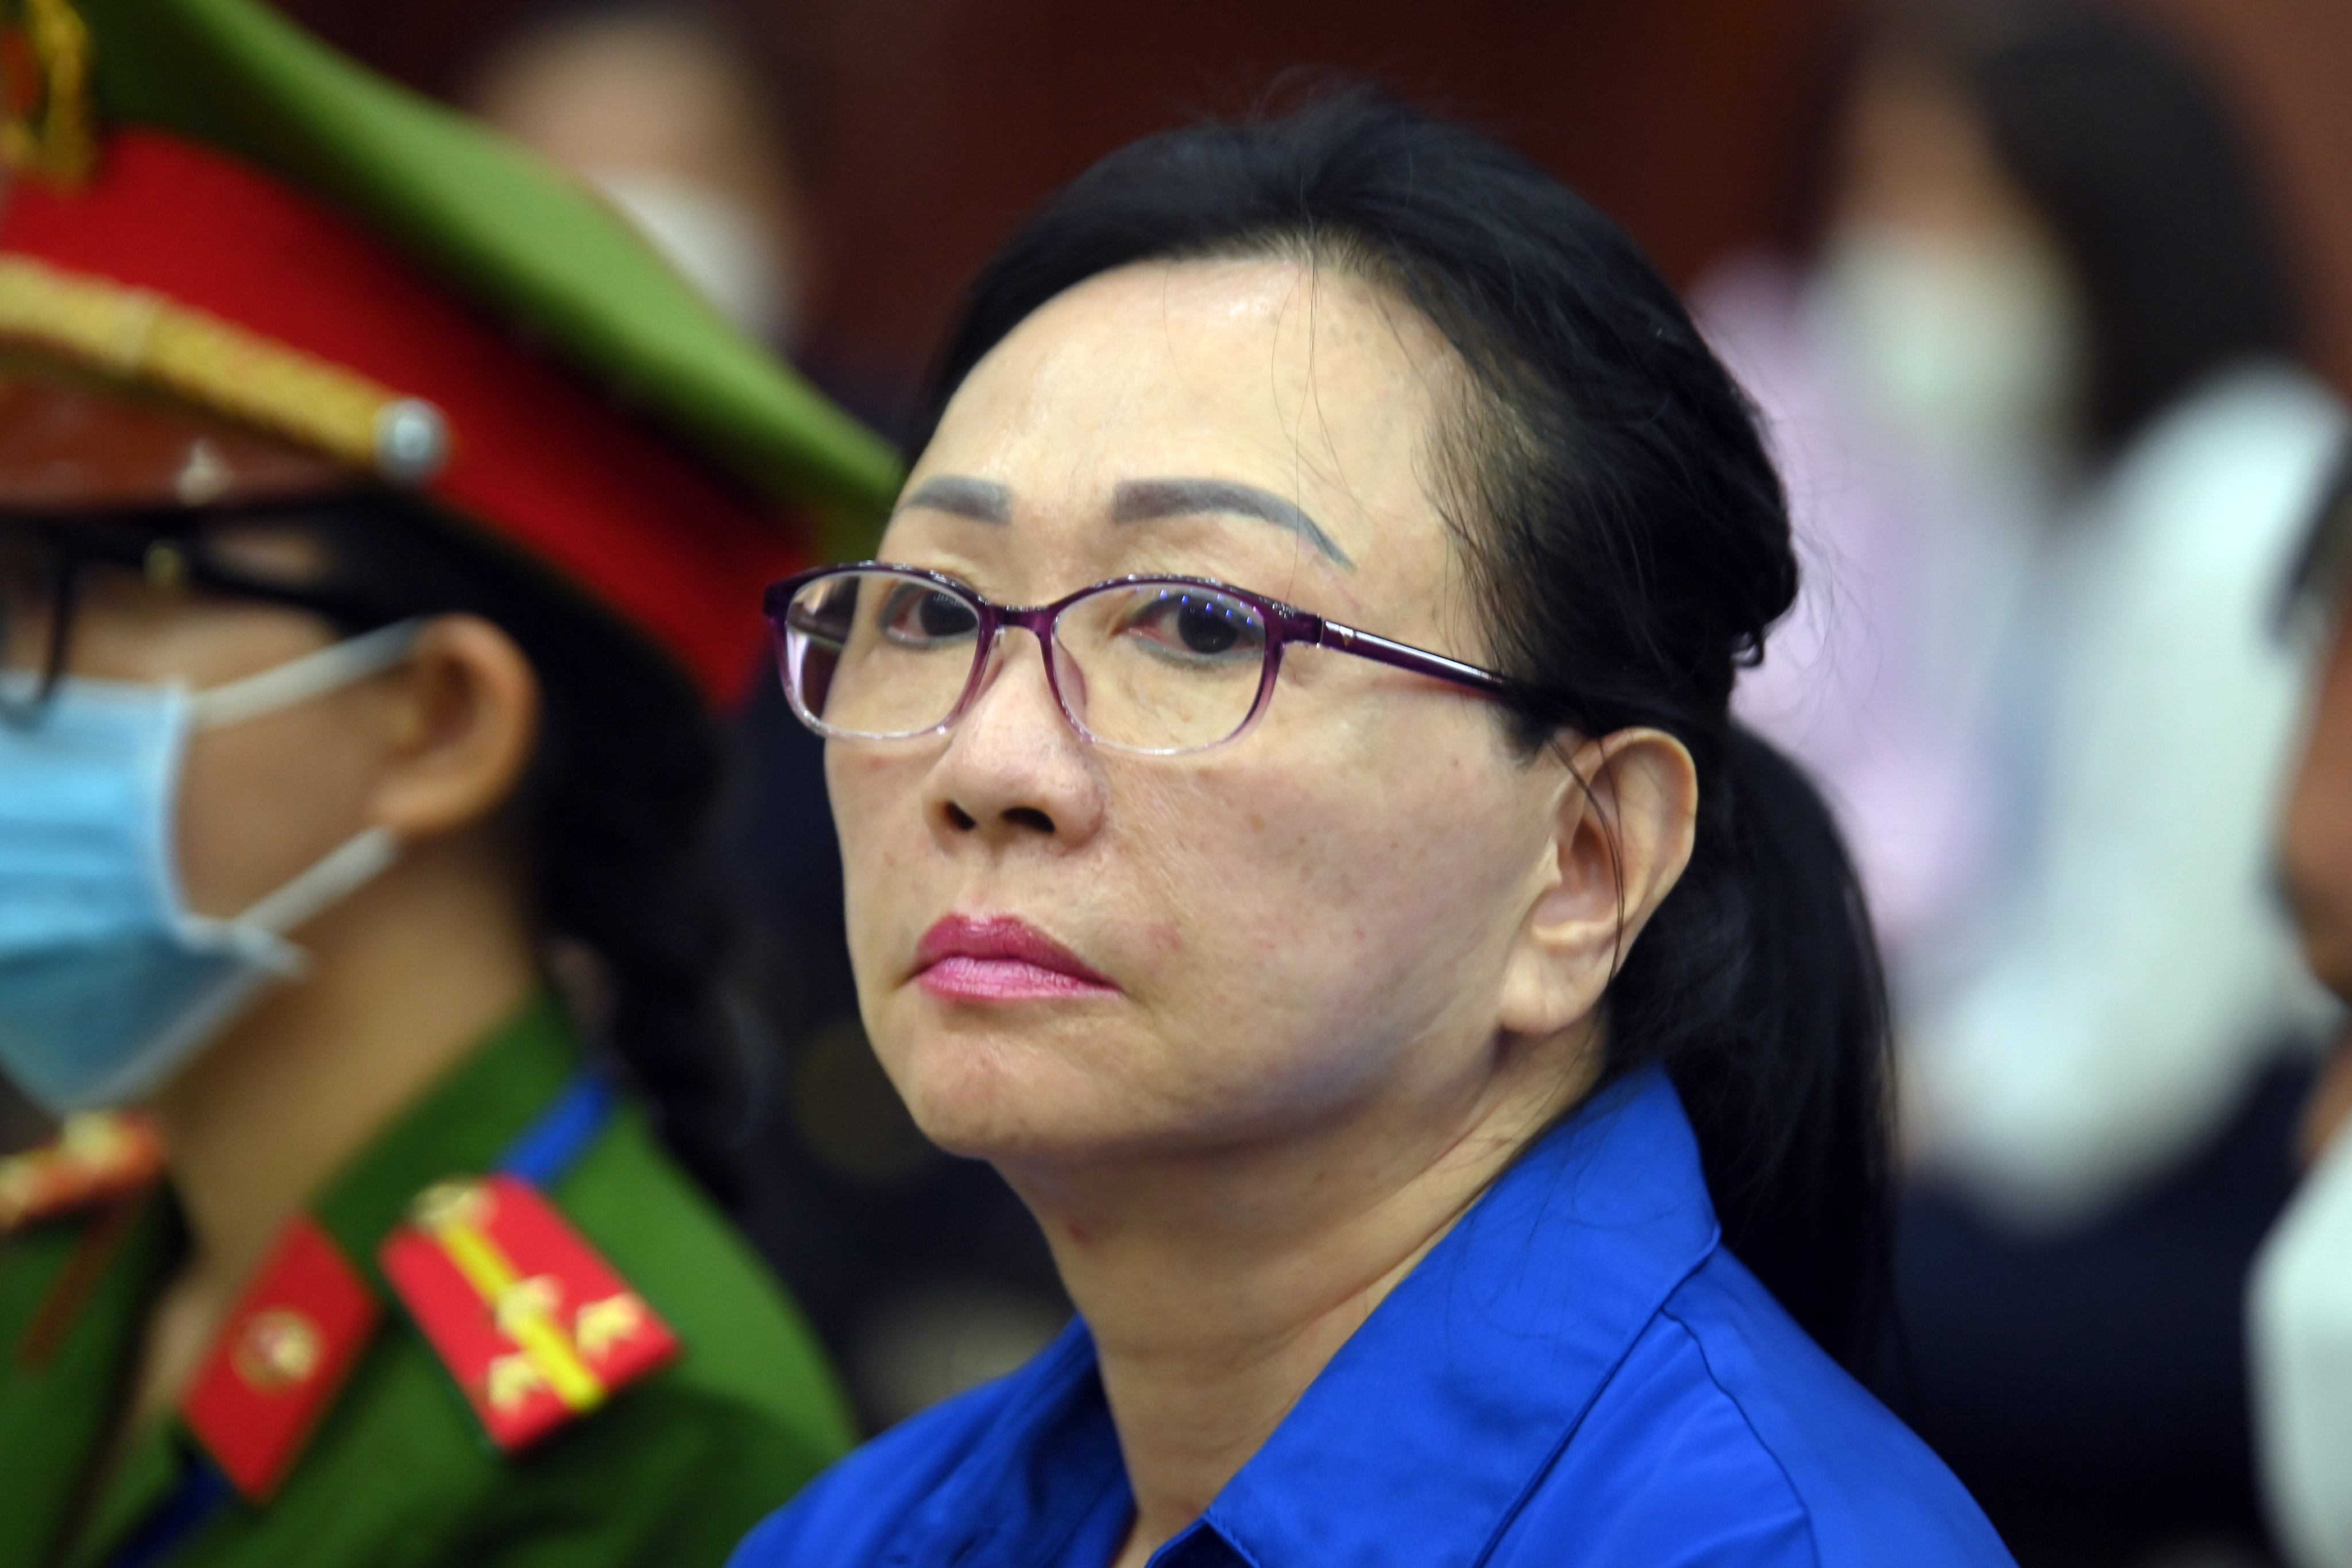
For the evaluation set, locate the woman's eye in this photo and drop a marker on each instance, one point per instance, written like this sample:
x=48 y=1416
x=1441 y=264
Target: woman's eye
x=1200 y=625
x=918 y=617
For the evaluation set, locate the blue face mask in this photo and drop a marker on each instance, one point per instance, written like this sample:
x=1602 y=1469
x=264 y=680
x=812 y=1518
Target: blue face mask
x=108 y=981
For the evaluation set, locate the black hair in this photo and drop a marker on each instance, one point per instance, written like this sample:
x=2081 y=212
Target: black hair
x=614 y=812
x=2133 y=159
x=1618 y=515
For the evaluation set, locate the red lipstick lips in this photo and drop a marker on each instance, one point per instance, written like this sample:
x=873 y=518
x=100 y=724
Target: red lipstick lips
x=1001 y=959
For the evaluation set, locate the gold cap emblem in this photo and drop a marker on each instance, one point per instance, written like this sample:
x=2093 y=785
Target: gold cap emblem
x=47 y=124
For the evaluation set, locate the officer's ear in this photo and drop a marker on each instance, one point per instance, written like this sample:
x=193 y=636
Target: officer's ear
x=463 y=721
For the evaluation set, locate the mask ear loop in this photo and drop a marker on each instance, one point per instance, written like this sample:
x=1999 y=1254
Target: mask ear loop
x=313 y=675
x=367 y=854
x=358 y=860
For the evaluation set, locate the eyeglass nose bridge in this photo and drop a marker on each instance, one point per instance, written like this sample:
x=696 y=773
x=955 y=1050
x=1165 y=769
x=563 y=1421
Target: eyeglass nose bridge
x=1038 y=621
x=1042 y=622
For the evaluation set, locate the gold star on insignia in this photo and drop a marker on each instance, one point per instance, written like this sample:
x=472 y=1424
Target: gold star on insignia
x=599 y=1325
x=510 y=1380
x=451 y=1203
x=535 y=1298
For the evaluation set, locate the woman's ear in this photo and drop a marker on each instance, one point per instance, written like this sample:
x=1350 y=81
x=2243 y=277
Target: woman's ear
x=1622 y=831
x=463 y=722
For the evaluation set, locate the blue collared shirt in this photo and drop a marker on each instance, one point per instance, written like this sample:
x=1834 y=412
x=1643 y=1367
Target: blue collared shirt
x=1578 y=1374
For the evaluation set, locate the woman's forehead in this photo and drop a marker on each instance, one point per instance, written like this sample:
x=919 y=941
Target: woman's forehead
x=1301 y=383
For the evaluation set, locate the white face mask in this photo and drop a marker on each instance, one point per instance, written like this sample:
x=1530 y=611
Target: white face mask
x=717 y=242
x=109 y=983
x=2299 y=1332
x=1966 y=342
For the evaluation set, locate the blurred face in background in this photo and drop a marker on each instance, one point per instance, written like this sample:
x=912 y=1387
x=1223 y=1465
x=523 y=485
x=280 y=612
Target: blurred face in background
x=1954 y=302
x=1311 y=925
x=665 y=117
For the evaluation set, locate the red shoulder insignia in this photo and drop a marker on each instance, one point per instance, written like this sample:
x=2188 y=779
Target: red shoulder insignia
x=280 y=1359
x=529 y=1318
x=95 y=1158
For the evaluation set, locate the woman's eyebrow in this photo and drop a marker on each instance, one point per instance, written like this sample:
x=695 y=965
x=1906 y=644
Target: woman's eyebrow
x=982 y=500
x=1147 y=500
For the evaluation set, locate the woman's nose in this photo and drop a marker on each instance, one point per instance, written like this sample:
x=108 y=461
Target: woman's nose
x=1014 y=767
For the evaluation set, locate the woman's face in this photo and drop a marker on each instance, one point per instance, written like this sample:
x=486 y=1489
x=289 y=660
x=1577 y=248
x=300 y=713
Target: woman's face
x=1308 y=923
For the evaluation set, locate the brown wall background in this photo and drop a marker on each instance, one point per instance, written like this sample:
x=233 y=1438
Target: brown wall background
x=926 y=128
x=2289 y=64
x=955 y=116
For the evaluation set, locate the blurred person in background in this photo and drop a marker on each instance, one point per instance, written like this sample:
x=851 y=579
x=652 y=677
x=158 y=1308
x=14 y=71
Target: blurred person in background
x=1915 y=381
x=360 y=645
x=664 y=112
x=2300 y=1303
x=2050 y=432
x=683 y=118
x=924 y=1273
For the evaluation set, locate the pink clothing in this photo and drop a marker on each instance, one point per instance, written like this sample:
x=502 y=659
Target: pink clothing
x=1881 y=680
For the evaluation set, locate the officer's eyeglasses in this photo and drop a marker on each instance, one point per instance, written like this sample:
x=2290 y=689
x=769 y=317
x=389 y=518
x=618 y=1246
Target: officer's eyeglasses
x=1156 y=665
x=47 y=558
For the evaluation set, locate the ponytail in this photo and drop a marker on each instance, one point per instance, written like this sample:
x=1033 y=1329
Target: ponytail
x=1758 y=987
x=620 y=801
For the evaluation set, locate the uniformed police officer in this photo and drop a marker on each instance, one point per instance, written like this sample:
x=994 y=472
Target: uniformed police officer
x=378 y=523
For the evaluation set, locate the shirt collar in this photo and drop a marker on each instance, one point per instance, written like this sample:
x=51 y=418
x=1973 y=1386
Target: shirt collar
x=1426 y=1434
x=1051 y=1466
x=1453 y=1398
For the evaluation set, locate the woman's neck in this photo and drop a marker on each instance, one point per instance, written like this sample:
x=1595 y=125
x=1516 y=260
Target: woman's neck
x=1218 y=1286
x=405 y=977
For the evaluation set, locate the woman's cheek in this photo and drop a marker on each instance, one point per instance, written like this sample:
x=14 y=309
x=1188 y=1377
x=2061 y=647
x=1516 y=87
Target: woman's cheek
x=877 y=816
x=1272 y=881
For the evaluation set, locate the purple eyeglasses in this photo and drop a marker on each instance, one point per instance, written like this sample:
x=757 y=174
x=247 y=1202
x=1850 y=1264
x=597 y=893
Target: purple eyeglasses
x=1156 y=665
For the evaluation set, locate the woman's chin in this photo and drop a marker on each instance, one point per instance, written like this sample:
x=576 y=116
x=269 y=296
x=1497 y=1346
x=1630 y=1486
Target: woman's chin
x=985 y=1100
x=1003 y=1123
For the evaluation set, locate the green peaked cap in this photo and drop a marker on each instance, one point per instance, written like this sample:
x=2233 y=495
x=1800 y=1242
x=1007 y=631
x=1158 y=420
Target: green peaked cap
x=499 y=227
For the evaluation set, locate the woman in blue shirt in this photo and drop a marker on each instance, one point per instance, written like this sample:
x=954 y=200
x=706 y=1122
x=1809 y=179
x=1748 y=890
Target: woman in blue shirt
x=1445 y=1052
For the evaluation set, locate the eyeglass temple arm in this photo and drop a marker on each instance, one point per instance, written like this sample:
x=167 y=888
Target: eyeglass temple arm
x=161 y=525
x=1401 y=656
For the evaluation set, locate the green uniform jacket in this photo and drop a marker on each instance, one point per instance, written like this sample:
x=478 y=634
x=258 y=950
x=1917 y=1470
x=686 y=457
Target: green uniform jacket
x=673 y=1469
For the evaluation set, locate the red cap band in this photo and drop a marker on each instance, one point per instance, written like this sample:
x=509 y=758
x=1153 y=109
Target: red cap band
x=535 y=457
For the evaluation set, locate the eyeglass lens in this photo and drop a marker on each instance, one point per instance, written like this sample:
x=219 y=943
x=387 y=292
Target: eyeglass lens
x=876 y=655
x=32 y=573
x=1151 y=666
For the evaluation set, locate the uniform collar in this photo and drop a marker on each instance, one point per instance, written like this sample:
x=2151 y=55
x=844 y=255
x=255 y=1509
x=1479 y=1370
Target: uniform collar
x=459 y=1127
x=1426 y=1434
